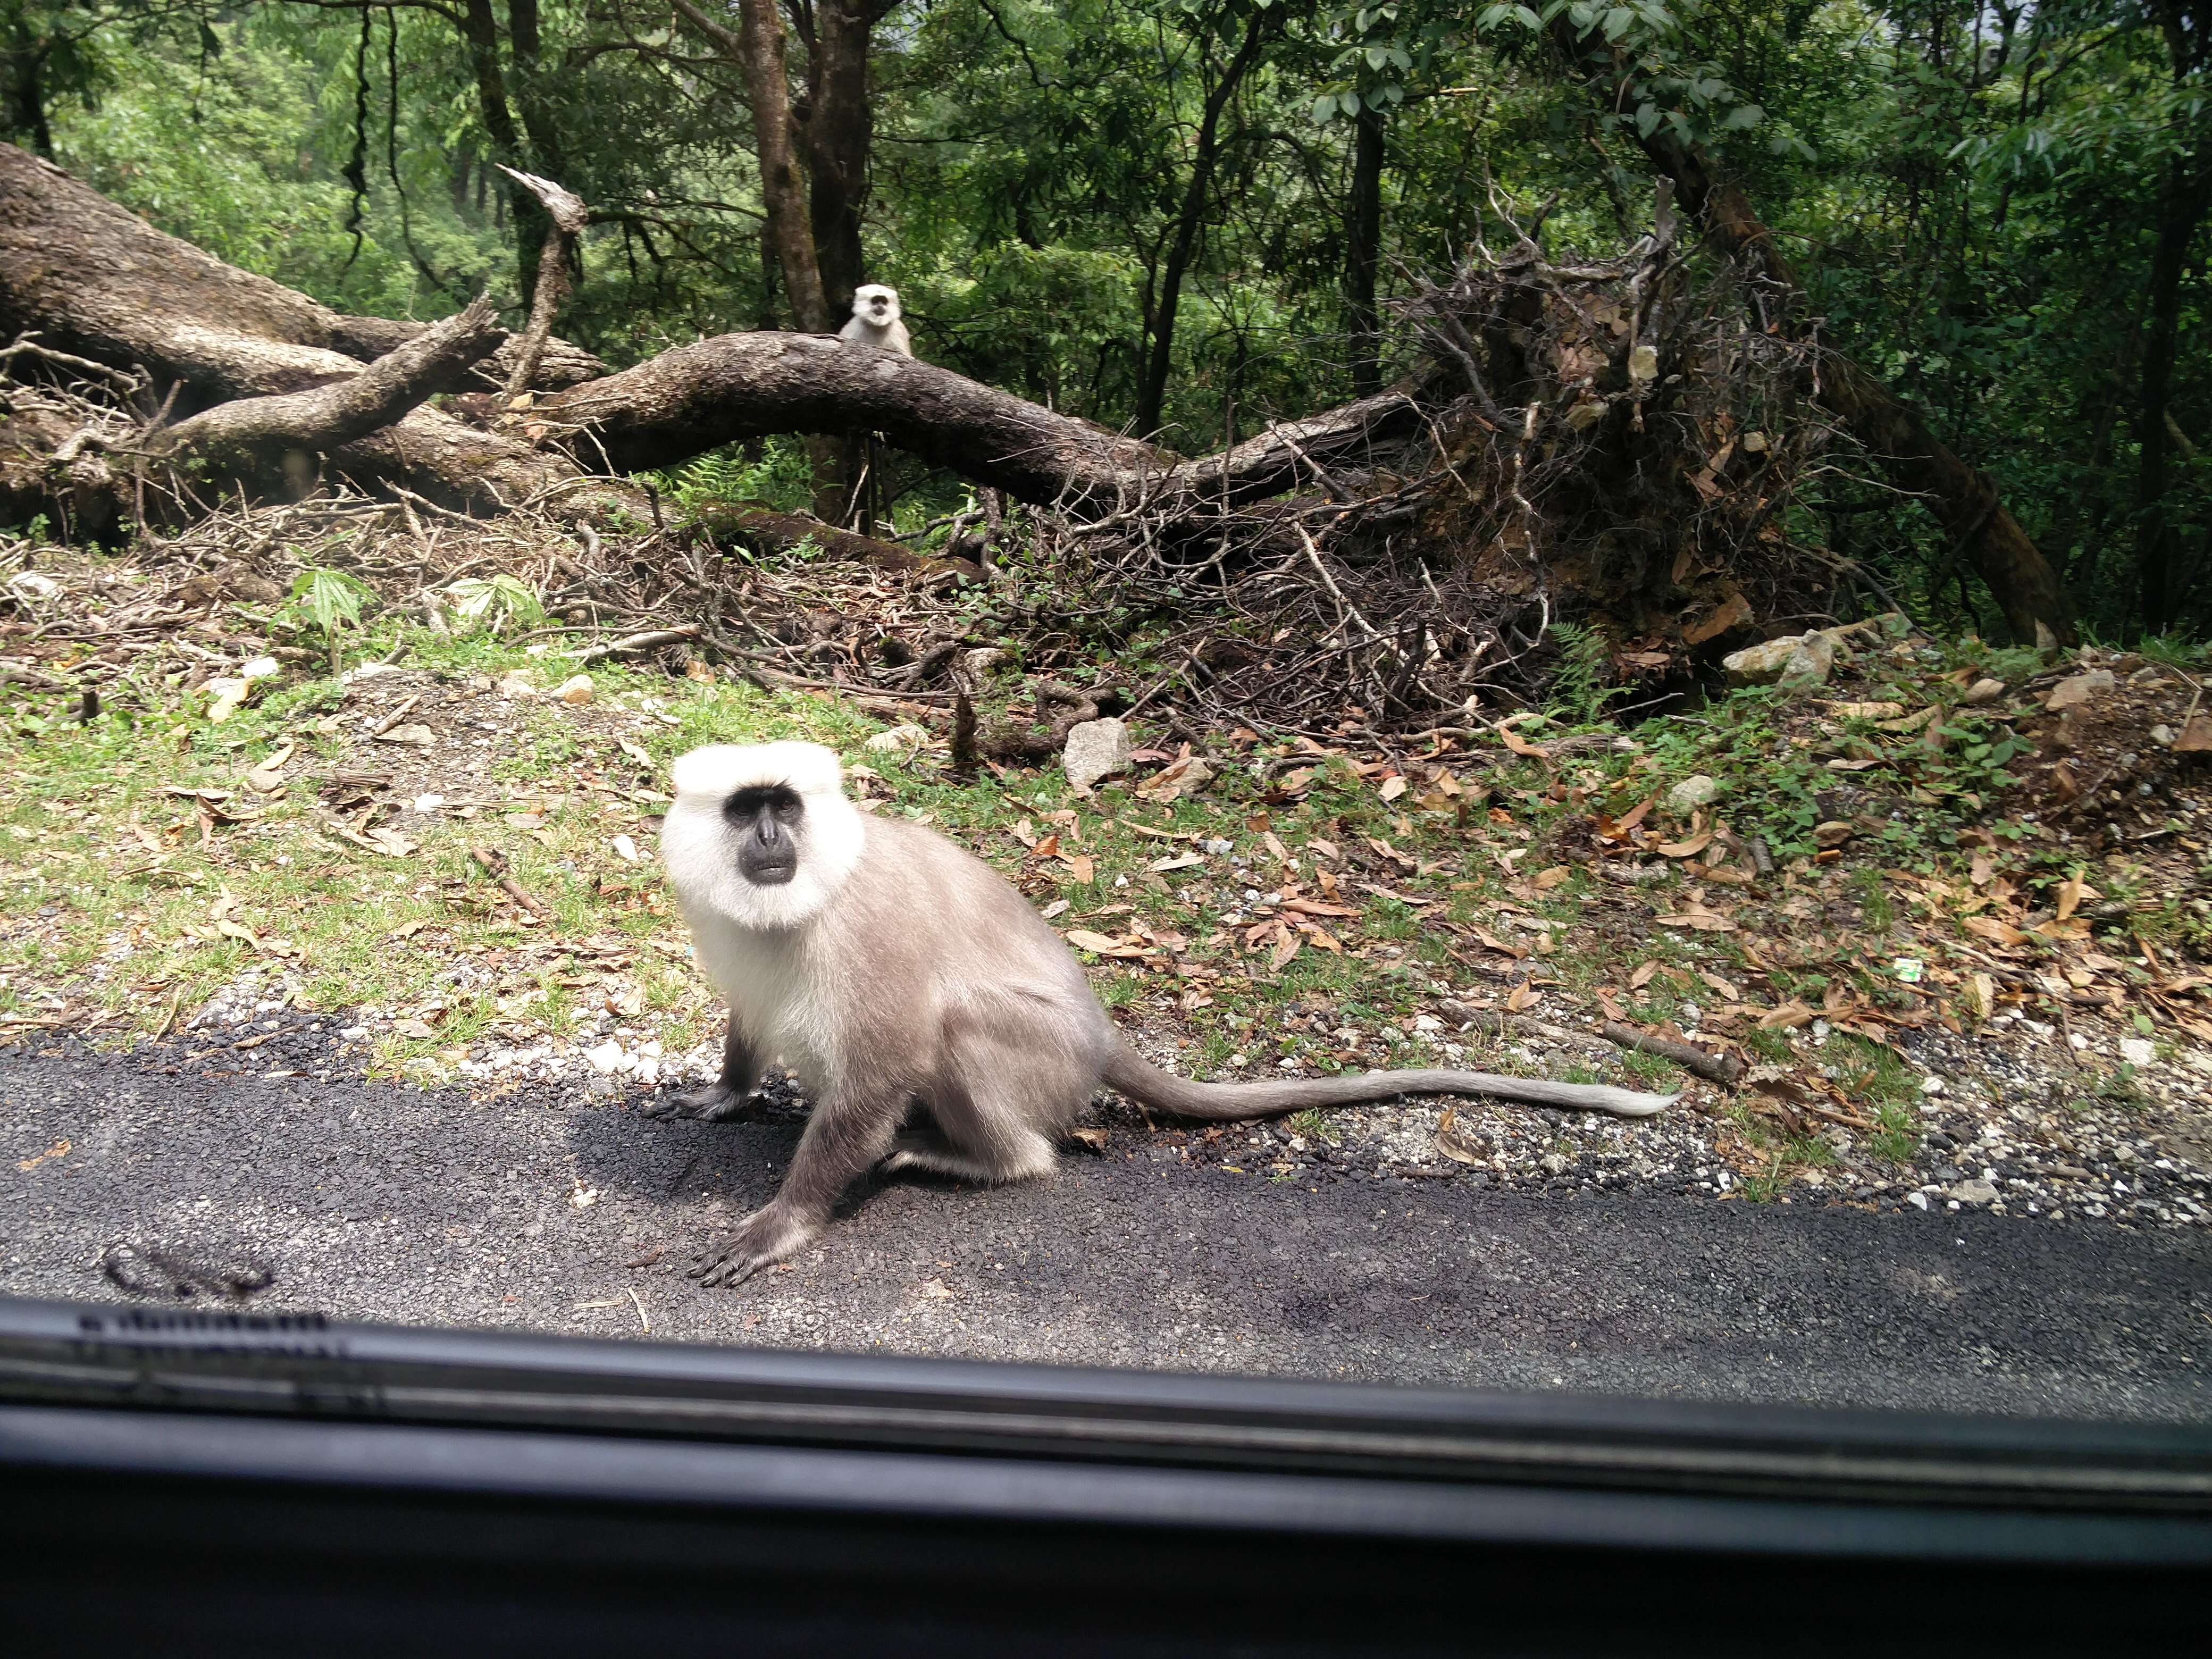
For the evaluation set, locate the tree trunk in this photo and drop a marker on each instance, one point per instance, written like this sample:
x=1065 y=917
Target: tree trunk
x=480 y=34
x=1153 y=391
x=1896 y=434
x=1363 y=250
x=2184 y=194
x=758 y=52
x=836 y=133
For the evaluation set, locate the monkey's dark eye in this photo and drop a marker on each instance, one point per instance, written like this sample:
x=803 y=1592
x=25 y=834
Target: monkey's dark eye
x=747 y=806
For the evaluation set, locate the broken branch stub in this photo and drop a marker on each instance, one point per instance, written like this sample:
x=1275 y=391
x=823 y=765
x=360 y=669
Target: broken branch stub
x=569 y=216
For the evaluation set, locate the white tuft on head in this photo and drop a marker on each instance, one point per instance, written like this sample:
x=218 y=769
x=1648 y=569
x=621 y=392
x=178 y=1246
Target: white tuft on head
x=699 y=847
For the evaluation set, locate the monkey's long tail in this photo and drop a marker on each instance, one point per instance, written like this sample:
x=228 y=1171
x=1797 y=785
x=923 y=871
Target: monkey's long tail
x=1140 y=1080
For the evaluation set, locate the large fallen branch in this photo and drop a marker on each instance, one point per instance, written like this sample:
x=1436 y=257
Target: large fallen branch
x=238 y=438
x=698 y=396
x=95 y=279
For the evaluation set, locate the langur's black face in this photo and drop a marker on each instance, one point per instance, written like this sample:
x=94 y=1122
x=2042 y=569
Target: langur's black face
x=766 y=821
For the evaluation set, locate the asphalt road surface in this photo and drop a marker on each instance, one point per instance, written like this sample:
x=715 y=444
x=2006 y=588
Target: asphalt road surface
x=562 y=1211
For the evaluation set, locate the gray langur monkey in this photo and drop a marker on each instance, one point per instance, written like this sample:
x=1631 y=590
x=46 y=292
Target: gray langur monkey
x=876 y=321
x=892 y=970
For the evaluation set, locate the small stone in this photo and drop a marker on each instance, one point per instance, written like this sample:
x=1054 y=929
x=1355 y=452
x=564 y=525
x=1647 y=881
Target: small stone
x=2078 y=690
x=1795 y=660
x=1554 y=1164
x=353 y=1034
x=428 y=802
x=897 y=739
x=1974 y=1192
x=517 y=683
x=2163 y=736
x=1917 y=1200
x=1834 y=833
x=1932 y=1085
x=984 y=660
x=626 y=849
x=606 y=1059
x=1693 y=791
x=2137 y=1051
x=575 y=690
x=30 y=583
x=1095 y=750
x=1982 y=692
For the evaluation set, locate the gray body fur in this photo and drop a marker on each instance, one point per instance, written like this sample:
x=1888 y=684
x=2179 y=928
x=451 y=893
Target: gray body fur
x=921 y=978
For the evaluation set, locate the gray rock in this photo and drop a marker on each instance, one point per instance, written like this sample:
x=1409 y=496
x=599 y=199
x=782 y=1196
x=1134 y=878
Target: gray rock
x=1917 y=1200
x=1095 y=749
x=984 y=660
x=2070 y=693
x=1982 y=692
x=1974 y=1192
x=1795 y=659
x=1692 y=792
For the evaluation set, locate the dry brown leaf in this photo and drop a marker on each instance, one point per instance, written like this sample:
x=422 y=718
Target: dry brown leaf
x=1991 y=928
x=1642 y=976
x=1287 y=946
x=1523 y=998
x=1048 y=848
x=1023 y=831
x=1392 y=786
x=1788 y=1018
x=1180 y=861
x=1099 y=944
x=1080 y=867
x=1705 y=921
x=1545 y=880
x=1521 y=745
x=1685 y=850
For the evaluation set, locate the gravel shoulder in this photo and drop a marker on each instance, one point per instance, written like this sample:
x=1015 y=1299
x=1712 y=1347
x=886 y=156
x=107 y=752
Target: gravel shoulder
x=555 y=1208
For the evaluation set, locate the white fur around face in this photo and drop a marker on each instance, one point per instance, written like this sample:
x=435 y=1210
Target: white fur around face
x=873 y=302
x=700 y=846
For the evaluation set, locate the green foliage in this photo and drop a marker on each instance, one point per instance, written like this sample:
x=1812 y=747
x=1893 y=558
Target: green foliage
x=1579 y=691
x=329 y=600
x=494 y=601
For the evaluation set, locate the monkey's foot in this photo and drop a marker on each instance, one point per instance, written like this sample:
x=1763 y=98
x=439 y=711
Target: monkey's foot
x=715 y=1103
x=762 y=1239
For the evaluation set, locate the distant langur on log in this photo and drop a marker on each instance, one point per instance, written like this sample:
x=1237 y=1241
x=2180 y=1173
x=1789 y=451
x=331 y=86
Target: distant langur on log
x=876 y=321
x=936 y=1019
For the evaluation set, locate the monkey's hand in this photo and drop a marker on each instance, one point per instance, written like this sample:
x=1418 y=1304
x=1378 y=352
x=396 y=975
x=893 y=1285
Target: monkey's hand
x=762 y=1239
x=715 y=1103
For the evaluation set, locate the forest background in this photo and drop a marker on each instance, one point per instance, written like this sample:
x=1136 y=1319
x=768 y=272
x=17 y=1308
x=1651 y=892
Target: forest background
x=1190 y=215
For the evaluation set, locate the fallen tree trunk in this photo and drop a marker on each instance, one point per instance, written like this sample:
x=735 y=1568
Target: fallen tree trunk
x=696 y=397
x=93 y=278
